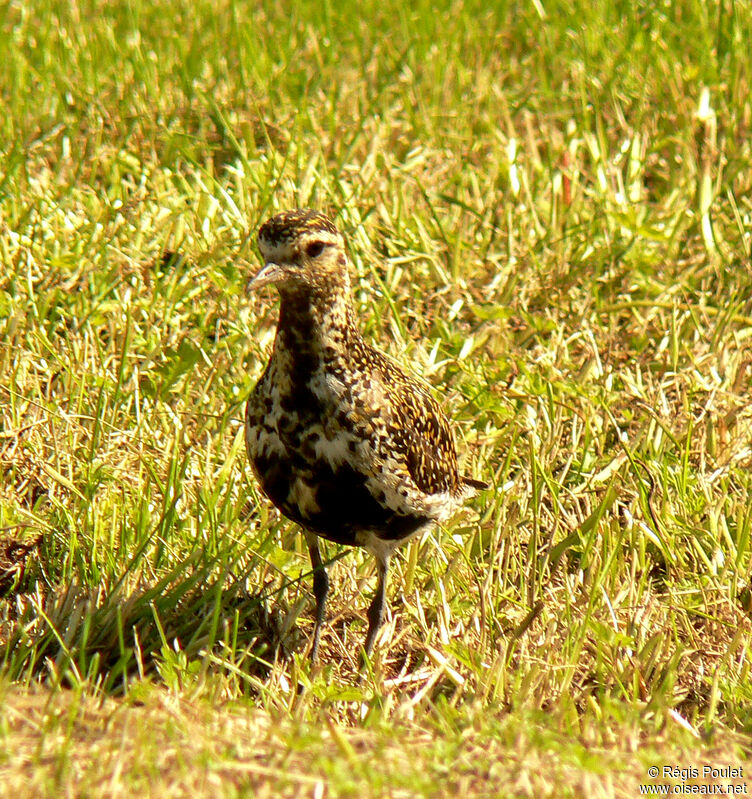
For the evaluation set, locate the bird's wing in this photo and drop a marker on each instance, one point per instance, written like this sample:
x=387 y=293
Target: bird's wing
x=411 y=425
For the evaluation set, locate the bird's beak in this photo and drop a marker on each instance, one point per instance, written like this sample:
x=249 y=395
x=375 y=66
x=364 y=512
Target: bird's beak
x=268 y=274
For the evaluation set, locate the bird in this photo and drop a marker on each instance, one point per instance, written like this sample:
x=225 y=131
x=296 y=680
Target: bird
x=341 y=438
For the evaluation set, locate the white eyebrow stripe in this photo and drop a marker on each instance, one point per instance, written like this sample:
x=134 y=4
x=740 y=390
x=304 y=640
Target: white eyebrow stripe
x=323 y=236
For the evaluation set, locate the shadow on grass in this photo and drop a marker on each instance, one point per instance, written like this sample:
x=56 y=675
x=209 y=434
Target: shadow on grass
x=200 y=618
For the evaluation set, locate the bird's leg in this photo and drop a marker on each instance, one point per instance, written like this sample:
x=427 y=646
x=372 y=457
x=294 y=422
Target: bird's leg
x=320 y=589
x=376 y=608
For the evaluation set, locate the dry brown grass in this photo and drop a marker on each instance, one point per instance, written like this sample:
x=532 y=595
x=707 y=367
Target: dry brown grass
x=166 y=744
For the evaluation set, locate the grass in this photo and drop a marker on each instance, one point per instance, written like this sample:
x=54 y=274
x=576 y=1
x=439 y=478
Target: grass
x=548 y=212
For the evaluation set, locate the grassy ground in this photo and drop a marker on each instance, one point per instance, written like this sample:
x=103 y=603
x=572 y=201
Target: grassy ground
x=548 y=211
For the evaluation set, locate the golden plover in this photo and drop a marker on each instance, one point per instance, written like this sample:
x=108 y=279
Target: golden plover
x=342 y=440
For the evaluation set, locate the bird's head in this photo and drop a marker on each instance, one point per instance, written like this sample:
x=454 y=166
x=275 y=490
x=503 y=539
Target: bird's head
x=302 y=251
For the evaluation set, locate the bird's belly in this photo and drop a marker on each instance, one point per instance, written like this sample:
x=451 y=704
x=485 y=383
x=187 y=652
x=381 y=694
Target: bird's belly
x=311 y=483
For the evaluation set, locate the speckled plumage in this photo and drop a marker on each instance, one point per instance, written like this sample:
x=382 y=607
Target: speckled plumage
x=342 y=440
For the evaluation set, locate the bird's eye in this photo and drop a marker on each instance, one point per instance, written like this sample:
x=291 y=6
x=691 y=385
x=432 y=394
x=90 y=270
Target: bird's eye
x=315 y=248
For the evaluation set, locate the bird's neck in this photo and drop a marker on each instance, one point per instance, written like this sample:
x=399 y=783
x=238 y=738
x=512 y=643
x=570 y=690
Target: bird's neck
x=315 y=323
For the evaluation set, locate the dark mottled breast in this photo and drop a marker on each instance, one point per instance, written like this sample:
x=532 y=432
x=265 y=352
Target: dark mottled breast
x=332 y=499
